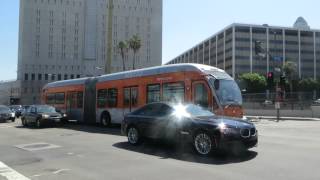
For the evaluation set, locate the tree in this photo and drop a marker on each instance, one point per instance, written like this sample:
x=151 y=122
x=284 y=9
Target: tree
x=135 y=45
x=253 y=82
x=308 y=85
x=290 y=69
x=123 y=50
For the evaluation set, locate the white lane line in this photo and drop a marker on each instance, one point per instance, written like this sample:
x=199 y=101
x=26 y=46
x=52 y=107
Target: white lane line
x=61 y=170
x=10 y=173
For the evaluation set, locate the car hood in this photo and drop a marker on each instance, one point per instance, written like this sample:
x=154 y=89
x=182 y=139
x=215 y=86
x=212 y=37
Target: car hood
x=228 y=121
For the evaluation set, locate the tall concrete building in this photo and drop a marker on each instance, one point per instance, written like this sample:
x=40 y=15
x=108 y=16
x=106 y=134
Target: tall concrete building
x=233 y=49
x=66 y=39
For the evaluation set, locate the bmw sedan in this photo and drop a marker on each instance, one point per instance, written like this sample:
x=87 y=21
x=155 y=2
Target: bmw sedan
x=40 y=115
x=191 y=124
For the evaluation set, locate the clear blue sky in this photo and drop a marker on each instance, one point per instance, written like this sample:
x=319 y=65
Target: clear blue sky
x=185 y=23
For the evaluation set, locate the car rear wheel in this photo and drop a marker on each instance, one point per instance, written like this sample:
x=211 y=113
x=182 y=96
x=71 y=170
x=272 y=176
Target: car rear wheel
x=134 y=137
x=203 y=143
x=24 y=122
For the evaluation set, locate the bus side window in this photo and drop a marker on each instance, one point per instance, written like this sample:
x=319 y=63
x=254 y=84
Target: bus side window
x=173 y=92
x=102 y=98
x=126 y=97
x=153 y=93
x=201 y=95
x=50 y=98
x=59 y=98
x=112 y=99
x=80 y=100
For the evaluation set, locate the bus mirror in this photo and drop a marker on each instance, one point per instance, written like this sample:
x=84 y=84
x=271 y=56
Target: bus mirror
x=217 y=84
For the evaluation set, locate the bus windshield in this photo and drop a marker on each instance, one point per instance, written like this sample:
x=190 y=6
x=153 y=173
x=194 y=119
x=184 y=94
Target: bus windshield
x=227 y=91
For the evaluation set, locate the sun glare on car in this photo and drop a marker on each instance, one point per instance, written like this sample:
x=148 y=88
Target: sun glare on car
x=180 y=111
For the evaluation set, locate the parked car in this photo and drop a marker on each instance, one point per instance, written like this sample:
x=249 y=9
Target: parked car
x=17 y=109
x=189 y=123
x=40 y=115
x=6 y=114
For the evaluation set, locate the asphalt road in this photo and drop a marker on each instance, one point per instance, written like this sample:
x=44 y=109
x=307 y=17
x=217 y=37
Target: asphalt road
x=287 y=150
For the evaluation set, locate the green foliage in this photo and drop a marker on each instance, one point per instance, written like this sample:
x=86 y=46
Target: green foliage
x=308 y=85
x=253 y=82
x=123 y=50
x=134 y=45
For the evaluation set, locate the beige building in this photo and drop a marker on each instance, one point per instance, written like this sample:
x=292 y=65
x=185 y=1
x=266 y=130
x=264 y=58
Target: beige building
x=66 y=39
x=233 y=49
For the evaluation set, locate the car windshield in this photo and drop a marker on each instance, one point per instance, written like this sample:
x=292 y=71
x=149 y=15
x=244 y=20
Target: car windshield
x=191 y=110
x=4 y=110
x=227 y=91
x=46 y=109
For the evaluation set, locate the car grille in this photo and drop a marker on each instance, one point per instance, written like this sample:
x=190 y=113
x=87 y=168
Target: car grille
x=253 y=131
x=245 y=133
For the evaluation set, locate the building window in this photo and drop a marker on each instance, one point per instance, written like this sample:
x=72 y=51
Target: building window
x=65 y=76
x=59 y=77
x=46 y=77
x=39 y=77
x=33 y=77
x=71 y=76
x=26 y=77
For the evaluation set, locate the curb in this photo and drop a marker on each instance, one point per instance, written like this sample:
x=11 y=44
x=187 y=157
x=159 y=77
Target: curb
x=284 y=118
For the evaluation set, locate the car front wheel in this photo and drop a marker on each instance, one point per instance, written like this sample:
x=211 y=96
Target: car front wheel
x=203 y=143
x=134 y=137
x=38 y=123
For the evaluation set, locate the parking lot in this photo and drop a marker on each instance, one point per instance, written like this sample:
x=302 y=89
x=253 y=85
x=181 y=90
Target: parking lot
x=287 y=150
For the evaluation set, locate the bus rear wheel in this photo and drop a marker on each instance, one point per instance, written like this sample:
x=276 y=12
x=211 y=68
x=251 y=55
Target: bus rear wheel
x=105 y=120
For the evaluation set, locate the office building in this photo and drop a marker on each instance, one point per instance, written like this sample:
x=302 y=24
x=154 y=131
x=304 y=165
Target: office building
x=234 y=49
x=67 y=39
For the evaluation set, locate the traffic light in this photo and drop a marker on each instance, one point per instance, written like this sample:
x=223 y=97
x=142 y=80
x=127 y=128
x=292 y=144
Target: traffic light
x=270 y=80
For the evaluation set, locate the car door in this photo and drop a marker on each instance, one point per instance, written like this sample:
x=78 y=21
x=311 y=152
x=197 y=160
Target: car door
x=33 y=115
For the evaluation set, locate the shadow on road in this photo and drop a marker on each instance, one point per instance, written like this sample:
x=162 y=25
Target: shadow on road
x=167 y=151
x=114 y=130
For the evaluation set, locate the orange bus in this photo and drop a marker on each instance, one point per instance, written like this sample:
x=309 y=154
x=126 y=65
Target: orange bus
x=106 y=99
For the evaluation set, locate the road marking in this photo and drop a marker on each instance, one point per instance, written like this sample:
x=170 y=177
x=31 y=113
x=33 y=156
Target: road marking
x=60 y=171
x=37 y=146
x=5 y=126
x=10 y=173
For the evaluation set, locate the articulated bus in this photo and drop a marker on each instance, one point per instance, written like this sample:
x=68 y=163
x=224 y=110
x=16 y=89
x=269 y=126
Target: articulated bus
x=107 y=99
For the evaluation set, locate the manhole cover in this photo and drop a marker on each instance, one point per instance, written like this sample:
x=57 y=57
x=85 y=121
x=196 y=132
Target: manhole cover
x=37 y=146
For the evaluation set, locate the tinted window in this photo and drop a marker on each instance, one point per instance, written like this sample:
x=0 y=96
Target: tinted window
x=173 y=92
x=112 y=97
x=102 y=98
x=134 y=96
x=126 y=97
x=154 y=110
x=153 y=93
x=198 y=111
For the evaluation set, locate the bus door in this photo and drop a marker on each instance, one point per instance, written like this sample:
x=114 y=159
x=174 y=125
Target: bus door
x=71 y=105
x=130 y=99
x=201 y=94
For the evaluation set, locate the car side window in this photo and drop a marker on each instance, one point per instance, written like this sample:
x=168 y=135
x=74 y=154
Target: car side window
x=154 y=110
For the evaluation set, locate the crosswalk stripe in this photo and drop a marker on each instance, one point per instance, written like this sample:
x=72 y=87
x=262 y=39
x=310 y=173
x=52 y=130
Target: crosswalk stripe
x=10 y=173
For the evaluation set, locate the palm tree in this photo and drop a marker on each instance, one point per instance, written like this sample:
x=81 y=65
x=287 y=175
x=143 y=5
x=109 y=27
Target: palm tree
x=123 y=50
x=135 y=45
x=290 y=68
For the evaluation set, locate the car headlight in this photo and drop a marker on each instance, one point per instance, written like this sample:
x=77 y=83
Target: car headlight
x=45 y=116
x=64 y=115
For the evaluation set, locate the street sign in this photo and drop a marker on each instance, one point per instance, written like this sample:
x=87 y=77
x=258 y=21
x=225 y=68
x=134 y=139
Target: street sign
x=277 y=105
x=277 y=58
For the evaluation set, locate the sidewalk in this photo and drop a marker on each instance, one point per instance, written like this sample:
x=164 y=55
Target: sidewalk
x=284 y=118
